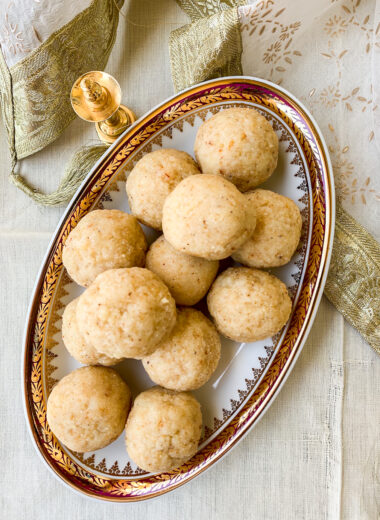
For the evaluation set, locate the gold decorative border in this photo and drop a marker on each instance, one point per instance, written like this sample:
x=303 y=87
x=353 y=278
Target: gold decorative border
x=277 y=101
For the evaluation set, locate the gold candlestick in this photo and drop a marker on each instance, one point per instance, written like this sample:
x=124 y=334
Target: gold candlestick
x=96 y=97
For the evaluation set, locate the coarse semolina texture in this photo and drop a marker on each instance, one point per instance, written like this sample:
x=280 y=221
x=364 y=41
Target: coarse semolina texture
x=188 y=277
x=78 y=347
x=102 y=240
x=187 y=358
x=163 y=429
x=206 y=216
x=248 y=304
x=239 y=144
x=277 y=232
x=88 y=408
x=126 y=312
x=153 y=178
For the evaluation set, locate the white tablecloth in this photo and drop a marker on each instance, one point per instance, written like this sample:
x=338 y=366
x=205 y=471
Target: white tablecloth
x=314 y=455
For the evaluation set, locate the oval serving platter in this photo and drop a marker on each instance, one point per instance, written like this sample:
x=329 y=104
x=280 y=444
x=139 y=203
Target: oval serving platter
x=249 y=376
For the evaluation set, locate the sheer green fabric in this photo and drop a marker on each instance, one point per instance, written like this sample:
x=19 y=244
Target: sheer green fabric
x=209 y=47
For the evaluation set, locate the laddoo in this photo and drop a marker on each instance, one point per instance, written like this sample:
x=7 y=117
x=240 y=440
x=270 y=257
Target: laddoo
x=248 y=304
x=277 y=230
x=88 y=408
x=163 y=429
x=207 y=216
x=76 y=344
x=239 y=144
x=187 y=358
x=102 y=240
x=187 y=277
x=126 y=312
x=154 y=176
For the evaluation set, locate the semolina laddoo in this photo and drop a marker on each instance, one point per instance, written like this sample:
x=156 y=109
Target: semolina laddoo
x=163 y=429
x=75 y=343
x=207 y=216
x=187 y=358
x=88 y=408
x=277 y=231
x=187 y=277
x=126 y=312
x=248 y=304
x=239 y=144
x=153 y=178
x=102 y=240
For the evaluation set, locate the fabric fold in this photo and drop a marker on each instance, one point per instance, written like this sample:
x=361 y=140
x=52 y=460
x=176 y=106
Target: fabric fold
x=197 y=9
x=208 y=48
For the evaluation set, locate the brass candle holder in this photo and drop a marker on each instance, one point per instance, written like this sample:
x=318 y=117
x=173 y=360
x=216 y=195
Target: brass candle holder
x=96 y=97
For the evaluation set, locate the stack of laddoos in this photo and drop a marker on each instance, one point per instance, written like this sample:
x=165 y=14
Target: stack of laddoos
x=129 y=311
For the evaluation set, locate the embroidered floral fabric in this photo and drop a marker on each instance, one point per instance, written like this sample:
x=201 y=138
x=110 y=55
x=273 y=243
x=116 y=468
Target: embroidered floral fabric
x=320 y=51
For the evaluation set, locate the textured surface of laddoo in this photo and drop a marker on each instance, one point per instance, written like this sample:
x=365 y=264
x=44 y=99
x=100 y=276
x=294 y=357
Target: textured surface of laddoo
x=75 y=343
x=187 y=358
x=163 y=429
x=277 y=231
x=188 y=277
x=206 y=216
x=248 y=304
x=239 y=144
x=102 y=240
x=126 y=312
x=153 y=178
x=88 y=408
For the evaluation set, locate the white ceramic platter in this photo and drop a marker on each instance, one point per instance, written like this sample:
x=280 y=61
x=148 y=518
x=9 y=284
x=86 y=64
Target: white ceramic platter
x=249 y=375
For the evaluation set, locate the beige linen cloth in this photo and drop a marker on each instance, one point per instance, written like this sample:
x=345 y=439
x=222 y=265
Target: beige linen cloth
x=315 y=454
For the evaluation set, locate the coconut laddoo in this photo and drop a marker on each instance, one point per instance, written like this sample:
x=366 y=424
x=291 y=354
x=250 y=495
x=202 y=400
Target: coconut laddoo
x=248 y=304
x=277 y=232
x=187 y=358
x=88 y=408
x=187 y=277
x=153 y=178
x=75 y=343
x=239 y=144
x=207 y=216
x=163 y=429
x=102 y=240
x=126 y=312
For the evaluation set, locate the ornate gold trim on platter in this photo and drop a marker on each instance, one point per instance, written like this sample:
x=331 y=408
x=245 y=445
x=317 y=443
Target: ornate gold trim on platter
x=308 y=138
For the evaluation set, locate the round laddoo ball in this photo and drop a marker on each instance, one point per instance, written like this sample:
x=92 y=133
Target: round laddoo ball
x=103 y=239
x=187 y=277
x=188 y=357
x=277 y=231
x=239 y=144
x=75 y=343
x=88 y=408
x=153 y=178
x=163 y=429
x=126 y=312
x=207 y=216
x=248 y=304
